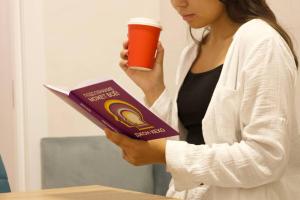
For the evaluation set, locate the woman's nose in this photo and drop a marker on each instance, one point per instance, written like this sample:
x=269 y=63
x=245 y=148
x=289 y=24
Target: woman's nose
x=179 y=3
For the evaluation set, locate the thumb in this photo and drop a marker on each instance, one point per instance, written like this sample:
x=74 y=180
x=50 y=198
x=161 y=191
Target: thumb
x=159 y=59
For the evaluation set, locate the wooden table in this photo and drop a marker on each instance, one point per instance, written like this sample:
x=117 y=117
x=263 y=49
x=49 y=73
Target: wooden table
x=81 y=193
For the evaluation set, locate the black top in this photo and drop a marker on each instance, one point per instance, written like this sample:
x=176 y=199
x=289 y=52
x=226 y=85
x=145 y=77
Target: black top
x=193 y=99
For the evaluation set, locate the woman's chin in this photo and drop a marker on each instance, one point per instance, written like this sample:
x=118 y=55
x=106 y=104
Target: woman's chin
x=196 y=25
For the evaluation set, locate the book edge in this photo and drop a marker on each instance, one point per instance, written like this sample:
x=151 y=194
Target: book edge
x=57 y=89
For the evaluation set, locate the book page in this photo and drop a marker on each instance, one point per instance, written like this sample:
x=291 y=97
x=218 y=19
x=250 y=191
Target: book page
x=58 y=89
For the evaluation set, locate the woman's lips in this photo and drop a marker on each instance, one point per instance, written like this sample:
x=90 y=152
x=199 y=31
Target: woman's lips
x=188 y=17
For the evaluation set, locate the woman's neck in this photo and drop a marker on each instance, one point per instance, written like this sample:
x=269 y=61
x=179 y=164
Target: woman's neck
x=222 y=29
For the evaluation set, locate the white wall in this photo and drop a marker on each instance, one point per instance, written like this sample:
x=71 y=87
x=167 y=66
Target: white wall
x=34 y=95
x=7 y=130
x=82 y=44
x=289 y=16
x=82 y=41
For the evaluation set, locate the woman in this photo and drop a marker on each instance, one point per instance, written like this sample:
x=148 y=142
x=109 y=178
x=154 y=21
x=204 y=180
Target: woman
x=234 y=107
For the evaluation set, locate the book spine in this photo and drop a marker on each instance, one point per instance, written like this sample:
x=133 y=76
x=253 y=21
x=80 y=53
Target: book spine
x=103 y=122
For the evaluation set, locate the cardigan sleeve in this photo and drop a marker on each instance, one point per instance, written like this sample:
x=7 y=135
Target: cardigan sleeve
x=260 y=157
x=162 y=107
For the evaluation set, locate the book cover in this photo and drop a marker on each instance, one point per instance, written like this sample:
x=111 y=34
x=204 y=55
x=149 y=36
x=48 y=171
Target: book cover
x=107 y=104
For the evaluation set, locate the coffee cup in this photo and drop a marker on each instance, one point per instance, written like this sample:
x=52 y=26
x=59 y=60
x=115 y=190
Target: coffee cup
x=143 y=36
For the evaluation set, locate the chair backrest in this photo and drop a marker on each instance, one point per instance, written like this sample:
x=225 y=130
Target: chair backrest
x=161 y=179
x=4 y=186
x=76 y=161
x=92 y=160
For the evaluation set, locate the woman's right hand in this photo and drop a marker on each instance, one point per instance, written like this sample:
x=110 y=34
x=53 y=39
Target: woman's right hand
x=151 y=82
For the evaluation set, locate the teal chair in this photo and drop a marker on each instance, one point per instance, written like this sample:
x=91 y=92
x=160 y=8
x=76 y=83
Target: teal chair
x=94 y=160
x=4 y=185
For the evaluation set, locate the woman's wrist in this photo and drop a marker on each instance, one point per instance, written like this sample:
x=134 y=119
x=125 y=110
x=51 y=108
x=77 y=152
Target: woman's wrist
x=157 y=149
x=153 y=94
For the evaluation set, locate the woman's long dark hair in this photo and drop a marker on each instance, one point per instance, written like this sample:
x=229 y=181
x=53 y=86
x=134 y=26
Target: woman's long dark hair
x=242 y=11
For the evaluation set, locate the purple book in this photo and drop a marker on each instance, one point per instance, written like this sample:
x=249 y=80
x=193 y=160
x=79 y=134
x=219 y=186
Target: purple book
x=107 y=104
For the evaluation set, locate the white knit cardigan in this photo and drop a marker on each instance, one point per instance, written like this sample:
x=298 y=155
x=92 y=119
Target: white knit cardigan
x=252 y=145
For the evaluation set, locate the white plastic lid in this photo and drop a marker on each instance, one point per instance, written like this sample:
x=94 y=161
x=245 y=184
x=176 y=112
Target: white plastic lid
x=145 y=21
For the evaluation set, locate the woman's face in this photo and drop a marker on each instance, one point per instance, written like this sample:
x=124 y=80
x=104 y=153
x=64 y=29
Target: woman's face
x=199 y=13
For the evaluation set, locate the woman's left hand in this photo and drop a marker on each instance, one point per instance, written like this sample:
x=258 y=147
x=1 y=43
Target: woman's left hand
x=138 y=152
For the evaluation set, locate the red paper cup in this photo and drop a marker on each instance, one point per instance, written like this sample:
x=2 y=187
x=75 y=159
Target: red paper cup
x=143 y=35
